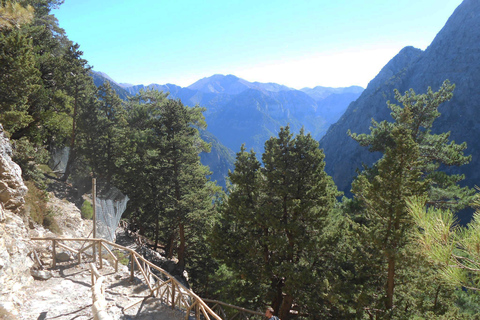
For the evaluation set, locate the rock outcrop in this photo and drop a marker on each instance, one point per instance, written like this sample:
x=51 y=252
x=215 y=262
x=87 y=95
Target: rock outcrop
x=454 y=54
x=14 y=238
x=15 y=263
x=12 y=188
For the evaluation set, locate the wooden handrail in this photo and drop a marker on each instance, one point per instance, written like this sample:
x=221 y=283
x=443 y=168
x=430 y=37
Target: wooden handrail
x=231 y=306
x=138 y=259
x=99 y=304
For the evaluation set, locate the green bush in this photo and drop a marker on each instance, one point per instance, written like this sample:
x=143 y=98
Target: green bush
x=87 y=210
x=122 y=257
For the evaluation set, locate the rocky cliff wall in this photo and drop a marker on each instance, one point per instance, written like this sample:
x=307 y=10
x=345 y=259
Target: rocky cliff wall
x=14 y=238
x=12 y=188
x=454 y=54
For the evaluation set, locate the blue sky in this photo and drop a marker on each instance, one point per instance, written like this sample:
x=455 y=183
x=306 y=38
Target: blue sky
x=300 y=43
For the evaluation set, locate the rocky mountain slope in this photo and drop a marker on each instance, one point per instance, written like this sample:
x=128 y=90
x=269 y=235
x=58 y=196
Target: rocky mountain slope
x=454 y=54
x=242 y=112
x=239 y=111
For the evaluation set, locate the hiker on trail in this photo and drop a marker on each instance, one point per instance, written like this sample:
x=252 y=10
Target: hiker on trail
x=269 y=314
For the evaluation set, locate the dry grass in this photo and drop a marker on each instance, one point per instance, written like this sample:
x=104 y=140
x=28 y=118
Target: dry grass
x=36 y=207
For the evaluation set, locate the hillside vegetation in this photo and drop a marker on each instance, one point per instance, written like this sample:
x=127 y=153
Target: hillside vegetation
x=278 y=234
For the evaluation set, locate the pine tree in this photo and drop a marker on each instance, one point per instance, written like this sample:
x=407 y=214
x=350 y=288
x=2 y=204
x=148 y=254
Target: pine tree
x=274 y=218
x=409 y=167
x=162 y=173
x=435 y=150
x=387 y=225
x=102 y=132
x=19 y=79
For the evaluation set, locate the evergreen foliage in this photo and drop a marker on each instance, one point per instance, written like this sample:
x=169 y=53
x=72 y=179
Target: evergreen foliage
x=160 y=170
x=412 y=156
x=454 y=248
x=272 y=229
x=13 y=14
x=279 y=235
x=102 y=133
x=43 y=83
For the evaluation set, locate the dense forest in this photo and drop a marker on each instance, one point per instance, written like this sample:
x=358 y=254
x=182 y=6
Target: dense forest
x=280 y=234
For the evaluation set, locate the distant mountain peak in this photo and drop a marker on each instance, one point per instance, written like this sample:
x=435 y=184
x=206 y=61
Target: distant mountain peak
x=126 y=85
x=106 y=76
x=320 y=93
x=219 y=83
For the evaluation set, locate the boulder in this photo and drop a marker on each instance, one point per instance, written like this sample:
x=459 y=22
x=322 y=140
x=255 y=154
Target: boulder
x=63 y=257
x=41 y=274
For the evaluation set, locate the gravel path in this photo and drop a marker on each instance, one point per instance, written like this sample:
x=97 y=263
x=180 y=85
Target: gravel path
x=67 y=295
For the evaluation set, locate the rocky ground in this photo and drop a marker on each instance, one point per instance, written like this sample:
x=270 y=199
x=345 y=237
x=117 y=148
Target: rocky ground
x=67 y=295
x=63 y=292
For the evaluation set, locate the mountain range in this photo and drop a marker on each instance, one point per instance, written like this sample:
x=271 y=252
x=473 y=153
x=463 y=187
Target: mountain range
x=242 y=112
x=239 y=111
x=454 y=54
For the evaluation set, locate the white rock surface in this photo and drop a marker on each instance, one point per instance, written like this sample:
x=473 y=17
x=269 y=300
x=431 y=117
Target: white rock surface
x=15 y=263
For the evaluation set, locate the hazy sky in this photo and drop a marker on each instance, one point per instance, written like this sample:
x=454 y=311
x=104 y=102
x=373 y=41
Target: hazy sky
x=298 y=43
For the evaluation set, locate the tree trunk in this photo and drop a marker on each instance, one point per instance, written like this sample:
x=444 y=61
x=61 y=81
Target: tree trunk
x=277 y=301
x=390 y=282
x=284 y=312
x=181 y=249
x=169 y=246
x=157 y=227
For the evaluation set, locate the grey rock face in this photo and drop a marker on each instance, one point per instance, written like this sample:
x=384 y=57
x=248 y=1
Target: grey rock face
x=455 y=55
x=342 y=154
x=12 y=188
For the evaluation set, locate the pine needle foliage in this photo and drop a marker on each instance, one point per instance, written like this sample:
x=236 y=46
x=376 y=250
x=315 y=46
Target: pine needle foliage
x=456 y=249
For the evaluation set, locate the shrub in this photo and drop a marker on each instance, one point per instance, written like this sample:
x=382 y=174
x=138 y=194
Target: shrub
x=50 y=223
x=35 y=202
x=86 y=210
x=122 y=257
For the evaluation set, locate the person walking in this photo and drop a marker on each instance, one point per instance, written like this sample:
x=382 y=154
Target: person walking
x=269 y=314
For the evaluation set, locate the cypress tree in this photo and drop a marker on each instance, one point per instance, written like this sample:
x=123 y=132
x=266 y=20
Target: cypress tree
x=274 y=218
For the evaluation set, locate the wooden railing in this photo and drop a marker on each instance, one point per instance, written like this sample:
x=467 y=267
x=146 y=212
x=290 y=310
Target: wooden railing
x=99 y=305
x=160 y=283
x=231 y=312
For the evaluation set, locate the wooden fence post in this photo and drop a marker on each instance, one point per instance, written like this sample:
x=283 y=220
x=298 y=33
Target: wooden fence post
x=94 y=231
x=100 y=260
x=54 y=254
x=173 y=294
x=132 y=267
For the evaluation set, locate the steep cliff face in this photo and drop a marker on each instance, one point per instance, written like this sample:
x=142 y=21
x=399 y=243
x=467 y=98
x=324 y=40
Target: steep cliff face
x=14 y=263
x=12 y=188
x=455 y=55
x=342 y=154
